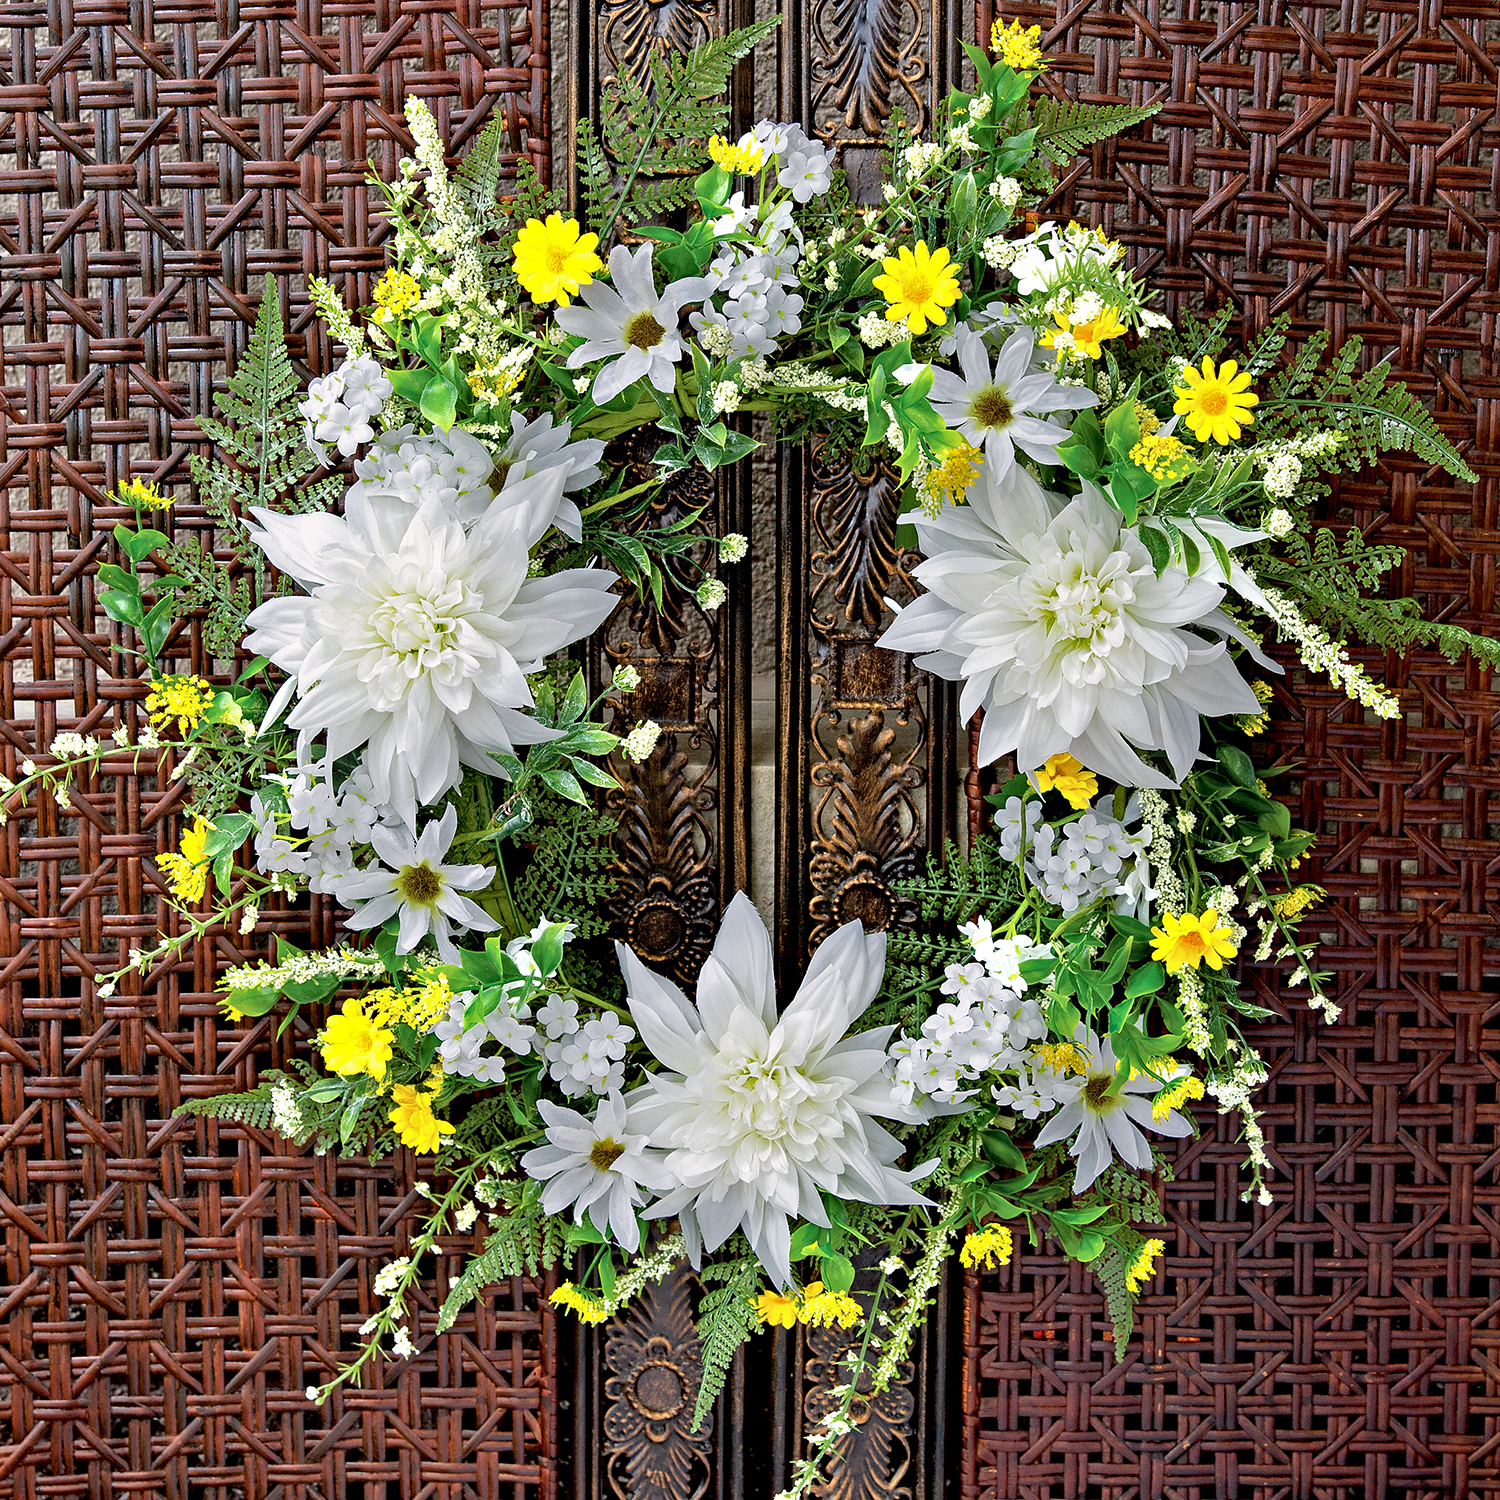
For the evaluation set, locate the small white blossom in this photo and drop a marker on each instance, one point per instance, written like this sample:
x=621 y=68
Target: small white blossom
x=732 y=547
x=711 y=594
x=641 y=741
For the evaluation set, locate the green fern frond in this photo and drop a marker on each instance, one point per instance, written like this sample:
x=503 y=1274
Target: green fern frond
x=252 y=1108
x=1067 y=127
x=522 y=1242
x=726 y=1319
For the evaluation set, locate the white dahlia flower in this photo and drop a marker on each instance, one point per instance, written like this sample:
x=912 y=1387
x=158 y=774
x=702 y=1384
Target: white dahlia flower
x=1105 y=1120
x=1060 y=630
x=416 y=636
x=761 y=1114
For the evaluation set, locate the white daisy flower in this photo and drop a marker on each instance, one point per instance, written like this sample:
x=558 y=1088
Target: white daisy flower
x=629 y=325
x=1107 y=1120
x=538 y=445
x=1000 y=409
x=419 y=887
x=599 y=1163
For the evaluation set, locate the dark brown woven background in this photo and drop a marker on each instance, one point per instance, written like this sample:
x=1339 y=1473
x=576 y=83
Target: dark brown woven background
x=171 y=1287
x=1337 y=163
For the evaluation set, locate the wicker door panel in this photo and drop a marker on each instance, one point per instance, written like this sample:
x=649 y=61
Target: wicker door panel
x=170 y=1288
x=1336 y=164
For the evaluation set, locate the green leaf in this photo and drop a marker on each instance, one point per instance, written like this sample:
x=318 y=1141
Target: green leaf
x=439 y=403
x=836 y=1271
x=1238 y=765
x=1001 y=1150
x=1146 y=980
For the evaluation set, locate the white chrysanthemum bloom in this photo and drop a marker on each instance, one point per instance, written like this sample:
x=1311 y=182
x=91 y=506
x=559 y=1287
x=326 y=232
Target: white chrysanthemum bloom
x=418 y=887
x=596 y=1164
x=1061 y=631
x=1104 y=1119
x=1000 y=408
x=763 y=1113
x=628 y=324
x=416 y=636
x=539 y=444
x=450 y=467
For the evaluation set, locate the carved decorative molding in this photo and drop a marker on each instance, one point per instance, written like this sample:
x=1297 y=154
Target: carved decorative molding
x=655 y=1364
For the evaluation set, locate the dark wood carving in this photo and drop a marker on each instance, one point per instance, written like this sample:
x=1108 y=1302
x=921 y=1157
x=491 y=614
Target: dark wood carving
x=875 y=1461
x=655 y=1364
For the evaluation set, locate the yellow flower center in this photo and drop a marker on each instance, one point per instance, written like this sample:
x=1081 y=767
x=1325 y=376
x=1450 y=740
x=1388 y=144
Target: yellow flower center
x=1213 y=403
x=1096 y=1090
x=644 y=332
x=992 y=407
x=606 y=1153
x=419 y=885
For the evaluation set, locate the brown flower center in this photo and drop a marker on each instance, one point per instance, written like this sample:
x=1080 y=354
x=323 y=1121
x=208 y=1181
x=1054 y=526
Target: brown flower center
x=606 y=1153
x=1096 y=1091
x=644 y=332
x=419 y=885
x=992 y=408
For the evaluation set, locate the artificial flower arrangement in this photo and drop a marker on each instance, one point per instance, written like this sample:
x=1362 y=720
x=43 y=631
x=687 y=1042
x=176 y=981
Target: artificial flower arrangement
x=1111 y=513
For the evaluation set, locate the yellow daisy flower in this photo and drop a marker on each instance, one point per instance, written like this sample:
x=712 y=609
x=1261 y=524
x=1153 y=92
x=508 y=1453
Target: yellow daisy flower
x=1189 y=940
x=352 y=1043
x=553 y=259
x=918 y=286
x=778 y=1311
x=735 y=159
x=990 y=1248
x=1216 y=402
x=1064 y=774
x=187 y=870
x=416 y=1125
x=1089 y=337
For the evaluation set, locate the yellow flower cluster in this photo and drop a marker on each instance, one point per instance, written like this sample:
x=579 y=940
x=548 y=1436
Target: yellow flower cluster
x=824 y=1309
x=185 y=699
x=143 y=496
x=1148 y=419
x=814 y=1305
x=951 y=479
x=991 y=1248
x=419 y=1006
x=494 y=382
x=396 y=294
x=1161 y=455
x=588 y=1311
x=353 y=1043
x=1254 y=724
x=918 y=286
x=1174 y=1096
x=1068 y=777
x=1061 y=1057
x=1291 y=906
x=735 y=159
x=1143 y=1267
x=416 y=1124
x=1189 y=940
x=1018 y=46
x=1089 y=336
x=187 y=870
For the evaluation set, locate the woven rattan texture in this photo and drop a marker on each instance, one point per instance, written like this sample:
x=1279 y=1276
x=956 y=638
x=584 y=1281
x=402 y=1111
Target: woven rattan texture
x=170 y=1288
x=1337 y=163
